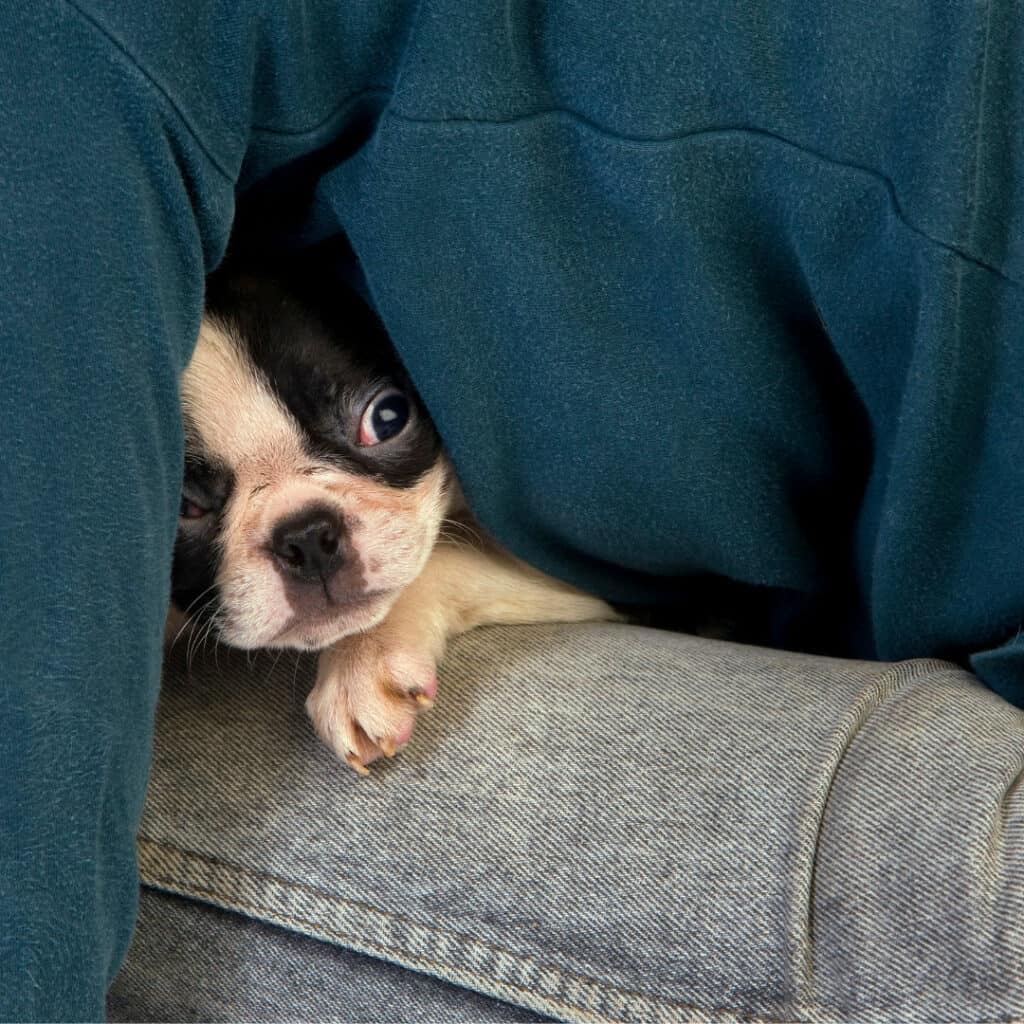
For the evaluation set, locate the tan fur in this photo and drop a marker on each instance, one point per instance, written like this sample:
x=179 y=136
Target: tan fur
x=240 y=419
x=370 y=687
x=377 y=668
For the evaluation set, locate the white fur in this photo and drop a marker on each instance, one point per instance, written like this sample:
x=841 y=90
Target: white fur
x=242 y=422
x=378 y=666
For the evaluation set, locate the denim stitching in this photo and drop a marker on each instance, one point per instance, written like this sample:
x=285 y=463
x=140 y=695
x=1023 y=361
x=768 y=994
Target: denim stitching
x=898 y=678
x=351 y=939
x=183 y=886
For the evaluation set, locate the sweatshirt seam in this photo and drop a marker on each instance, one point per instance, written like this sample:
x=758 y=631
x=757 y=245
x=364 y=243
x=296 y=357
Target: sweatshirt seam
x=153 y=82
x=712 y=132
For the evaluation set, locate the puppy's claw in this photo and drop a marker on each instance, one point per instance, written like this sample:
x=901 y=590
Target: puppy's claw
x=366 y=698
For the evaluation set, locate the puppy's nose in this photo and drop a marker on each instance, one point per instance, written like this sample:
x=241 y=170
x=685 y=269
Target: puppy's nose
x=309 y=547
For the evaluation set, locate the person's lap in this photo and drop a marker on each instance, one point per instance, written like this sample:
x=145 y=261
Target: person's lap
x=595 y=822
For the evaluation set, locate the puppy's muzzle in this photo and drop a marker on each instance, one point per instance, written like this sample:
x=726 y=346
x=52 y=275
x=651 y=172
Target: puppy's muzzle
x=310 y=547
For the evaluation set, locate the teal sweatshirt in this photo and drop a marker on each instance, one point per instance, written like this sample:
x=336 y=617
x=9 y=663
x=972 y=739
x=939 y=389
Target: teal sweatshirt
x=694 y=291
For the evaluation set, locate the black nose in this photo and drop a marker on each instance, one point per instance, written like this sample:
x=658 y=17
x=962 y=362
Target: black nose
x=309 y=546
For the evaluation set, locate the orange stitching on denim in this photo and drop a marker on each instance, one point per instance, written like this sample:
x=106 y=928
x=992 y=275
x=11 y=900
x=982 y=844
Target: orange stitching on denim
x=355 y=939
x=215 y=897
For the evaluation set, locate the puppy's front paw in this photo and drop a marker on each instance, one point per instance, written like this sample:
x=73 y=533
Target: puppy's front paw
x=366 y=698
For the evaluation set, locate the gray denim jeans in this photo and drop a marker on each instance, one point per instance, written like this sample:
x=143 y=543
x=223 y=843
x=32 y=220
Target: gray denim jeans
x=596 y=823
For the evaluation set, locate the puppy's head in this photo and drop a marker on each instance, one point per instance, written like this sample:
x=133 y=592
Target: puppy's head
x=314 y=484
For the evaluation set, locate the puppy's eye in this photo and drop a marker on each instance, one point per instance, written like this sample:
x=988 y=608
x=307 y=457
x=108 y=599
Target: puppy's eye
x=190 y=509
x=385 y=417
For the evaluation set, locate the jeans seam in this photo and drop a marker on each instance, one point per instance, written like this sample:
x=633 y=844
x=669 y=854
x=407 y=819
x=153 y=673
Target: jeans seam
x=894 y=680
x=319 y=929
x=168 y=880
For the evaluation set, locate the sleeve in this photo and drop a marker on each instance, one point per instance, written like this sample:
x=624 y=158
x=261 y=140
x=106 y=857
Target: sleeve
x=111 y=208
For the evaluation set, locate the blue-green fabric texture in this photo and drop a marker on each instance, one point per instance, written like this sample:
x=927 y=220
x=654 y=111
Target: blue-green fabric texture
x=691 y=290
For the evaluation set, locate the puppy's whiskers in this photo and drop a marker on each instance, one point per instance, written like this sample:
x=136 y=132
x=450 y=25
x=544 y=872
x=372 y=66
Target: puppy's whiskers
x=459 y=530
x=187 y=614
x=199 y=638
x=270 y=671
x=295 y=675
x=215 y=633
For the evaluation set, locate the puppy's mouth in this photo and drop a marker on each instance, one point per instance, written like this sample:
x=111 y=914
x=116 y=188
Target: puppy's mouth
x=315 y=630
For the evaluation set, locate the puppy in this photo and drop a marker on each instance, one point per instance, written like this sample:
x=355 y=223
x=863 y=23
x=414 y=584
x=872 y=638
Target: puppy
x=319 y=512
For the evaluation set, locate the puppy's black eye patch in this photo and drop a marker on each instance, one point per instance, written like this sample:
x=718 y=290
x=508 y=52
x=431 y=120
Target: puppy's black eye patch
x=206 y=487
x=326 y=356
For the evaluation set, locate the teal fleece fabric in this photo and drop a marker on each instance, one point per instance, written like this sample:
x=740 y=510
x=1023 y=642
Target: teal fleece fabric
x=693 y=290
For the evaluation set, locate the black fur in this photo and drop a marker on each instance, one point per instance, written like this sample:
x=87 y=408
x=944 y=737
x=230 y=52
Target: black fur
x=208 y=483
x=325 y=355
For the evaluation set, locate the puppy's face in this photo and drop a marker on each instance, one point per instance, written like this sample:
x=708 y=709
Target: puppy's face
x=315 y=484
